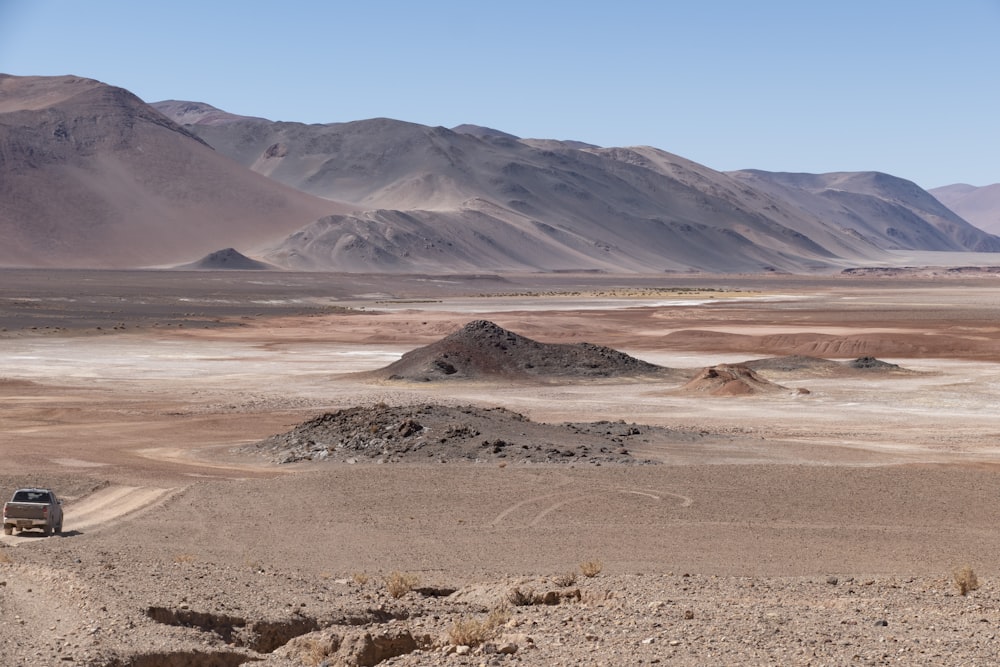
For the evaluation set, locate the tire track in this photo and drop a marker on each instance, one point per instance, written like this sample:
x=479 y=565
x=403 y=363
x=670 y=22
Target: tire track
x=563 y=498
x=104 y=507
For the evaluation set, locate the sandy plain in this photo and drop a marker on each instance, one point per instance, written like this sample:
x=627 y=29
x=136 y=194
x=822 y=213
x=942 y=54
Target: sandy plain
x=826 y=532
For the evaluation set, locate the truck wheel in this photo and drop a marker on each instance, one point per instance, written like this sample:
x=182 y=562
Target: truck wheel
x=8 y=529
x=47 y=529
x=59 y=529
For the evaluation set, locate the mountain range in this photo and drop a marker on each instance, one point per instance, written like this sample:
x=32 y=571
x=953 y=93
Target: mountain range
x=90 y=175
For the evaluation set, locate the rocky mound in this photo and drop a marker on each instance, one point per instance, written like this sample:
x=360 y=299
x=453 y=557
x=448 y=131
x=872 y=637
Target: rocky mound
x=872 y=364
x=481 y=349
x=806 y=366
x=793 y=363
x=437 y=433
x=228 y=258
x=731 y=380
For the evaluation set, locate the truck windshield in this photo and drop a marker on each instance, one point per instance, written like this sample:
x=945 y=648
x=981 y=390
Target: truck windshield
x=31 y=497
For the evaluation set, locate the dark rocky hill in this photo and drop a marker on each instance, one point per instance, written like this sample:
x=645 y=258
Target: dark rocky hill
x=482 y=350
x=226 y=259
x=439 y=433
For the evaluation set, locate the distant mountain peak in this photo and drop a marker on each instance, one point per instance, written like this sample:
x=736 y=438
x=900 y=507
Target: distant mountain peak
x=482 y=132
x=197 y=113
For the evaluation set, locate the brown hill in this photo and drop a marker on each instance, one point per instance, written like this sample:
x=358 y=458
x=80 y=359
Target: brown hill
x=90 y=176
x=851 y=346
x=481 y=349
x=730 y=380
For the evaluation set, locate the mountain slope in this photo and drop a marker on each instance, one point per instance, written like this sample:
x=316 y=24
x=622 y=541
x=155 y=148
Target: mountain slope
x=980 y=206
x=891 y=212
x=90 y=176
x=481 y=198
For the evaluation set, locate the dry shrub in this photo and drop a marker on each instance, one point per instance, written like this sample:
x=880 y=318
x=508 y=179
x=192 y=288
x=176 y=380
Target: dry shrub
x=253 y=564
x=183 y=558
x=314 y=649
x=564 y=580
x=473 y=632
x=591 y=568
x=399 y=584
x=5 y=558
x=313 y=652
x=519 y=598
x=360 y=578
x=966 y=580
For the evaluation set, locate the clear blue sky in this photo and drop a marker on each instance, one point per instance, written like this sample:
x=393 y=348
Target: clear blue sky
x=907 y=87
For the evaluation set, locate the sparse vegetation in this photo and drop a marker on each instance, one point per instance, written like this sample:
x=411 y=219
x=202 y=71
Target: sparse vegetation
x=314 y=651
x=526 y=598
x=360 y=578
x=564 y=580
x=591 y=568
x=473 y=632
x=184 y=558
x=399 y=584
x=966 y=580
x=519 y=598
x=253 y=564
x=5 y=558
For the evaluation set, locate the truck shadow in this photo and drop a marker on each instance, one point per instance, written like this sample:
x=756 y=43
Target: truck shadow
x=39 y=535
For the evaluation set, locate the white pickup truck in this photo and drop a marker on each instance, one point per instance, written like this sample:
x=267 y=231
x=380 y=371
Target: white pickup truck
x=33 y=508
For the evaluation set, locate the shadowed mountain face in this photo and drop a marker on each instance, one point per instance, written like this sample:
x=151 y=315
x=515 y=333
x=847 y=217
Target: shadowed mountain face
x=90 y=176
x=980 y=206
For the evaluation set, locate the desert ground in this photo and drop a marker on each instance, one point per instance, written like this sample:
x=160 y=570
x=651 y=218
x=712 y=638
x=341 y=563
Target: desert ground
x=820 y=522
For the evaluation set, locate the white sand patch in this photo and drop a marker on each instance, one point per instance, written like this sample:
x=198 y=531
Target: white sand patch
x=78 y=463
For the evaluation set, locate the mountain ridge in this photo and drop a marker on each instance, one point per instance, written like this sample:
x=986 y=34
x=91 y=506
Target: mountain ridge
x=90 y=175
